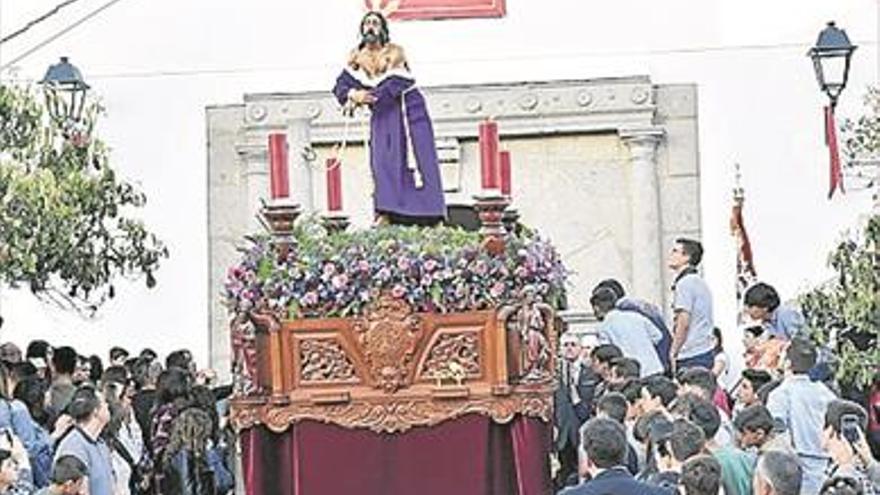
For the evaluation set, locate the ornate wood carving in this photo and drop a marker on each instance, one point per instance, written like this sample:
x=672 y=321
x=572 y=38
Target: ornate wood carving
x=462 y=349
x=389 y=336
x=380 y=371
x=324 y=360
x=398 y=416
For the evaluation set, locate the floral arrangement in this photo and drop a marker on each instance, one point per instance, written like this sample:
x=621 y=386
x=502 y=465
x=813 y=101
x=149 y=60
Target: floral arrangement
x=436 y=269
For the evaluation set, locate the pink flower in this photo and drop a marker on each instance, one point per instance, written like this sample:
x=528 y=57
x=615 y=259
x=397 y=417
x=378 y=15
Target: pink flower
x=339 y=281
x=430 y=265
x=329 y=269
x=403 y=263
x=497 y=289
x=398 y=291
x=384 y=273
x=363 y=266
x=310 y=298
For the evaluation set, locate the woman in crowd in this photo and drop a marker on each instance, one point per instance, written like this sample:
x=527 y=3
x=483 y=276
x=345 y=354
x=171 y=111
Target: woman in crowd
x=185 y=467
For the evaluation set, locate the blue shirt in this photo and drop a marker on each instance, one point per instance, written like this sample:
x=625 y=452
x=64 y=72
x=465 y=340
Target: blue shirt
x=785 y=322
x=635 y=335
x=95 y=455
x=692 y=295
x=800 y=405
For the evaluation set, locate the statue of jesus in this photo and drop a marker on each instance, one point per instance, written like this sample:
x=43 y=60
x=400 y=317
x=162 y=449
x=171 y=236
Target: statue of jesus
x=403 y=156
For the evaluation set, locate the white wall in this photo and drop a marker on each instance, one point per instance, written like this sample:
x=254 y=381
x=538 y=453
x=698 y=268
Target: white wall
x=157 y=64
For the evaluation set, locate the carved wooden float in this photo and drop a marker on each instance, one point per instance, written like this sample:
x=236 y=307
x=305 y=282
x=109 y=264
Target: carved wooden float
x=392 y=369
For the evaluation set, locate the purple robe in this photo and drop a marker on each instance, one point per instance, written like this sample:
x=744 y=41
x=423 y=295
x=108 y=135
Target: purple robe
x=395 y=188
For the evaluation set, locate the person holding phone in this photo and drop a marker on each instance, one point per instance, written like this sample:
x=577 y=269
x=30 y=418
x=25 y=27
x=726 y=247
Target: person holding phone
x=844 y=441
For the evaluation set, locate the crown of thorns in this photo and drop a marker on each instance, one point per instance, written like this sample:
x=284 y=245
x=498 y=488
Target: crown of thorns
x=386 y=10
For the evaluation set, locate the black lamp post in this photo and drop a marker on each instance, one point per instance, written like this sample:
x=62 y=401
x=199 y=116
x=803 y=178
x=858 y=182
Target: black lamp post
x=831 y=57
x=65 y=92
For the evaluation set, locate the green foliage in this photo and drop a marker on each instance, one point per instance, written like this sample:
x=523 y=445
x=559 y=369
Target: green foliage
x=66 y=230
x=862 y=135
x=850 y=305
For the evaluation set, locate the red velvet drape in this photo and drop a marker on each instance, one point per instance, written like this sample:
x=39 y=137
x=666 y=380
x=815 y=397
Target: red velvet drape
x=471 y=455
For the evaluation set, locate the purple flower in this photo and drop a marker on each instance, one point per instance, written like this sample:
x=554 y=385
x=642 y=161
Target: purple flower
x=339 y=281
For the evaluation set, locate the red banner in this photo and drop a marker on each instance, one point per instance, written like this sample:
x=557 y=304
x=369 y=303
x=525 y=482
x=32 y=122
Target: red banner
x=443 y=9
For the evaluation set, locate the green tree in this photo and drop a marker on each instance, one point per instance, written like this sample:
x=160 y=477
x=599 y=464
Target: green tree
x=849 y=305
x=67 y=224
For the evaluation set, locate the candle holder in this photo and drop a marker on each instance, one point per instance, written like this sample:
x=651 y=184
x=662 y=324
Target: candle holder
x=335 y=222
x=490 y=206
x=279 y=217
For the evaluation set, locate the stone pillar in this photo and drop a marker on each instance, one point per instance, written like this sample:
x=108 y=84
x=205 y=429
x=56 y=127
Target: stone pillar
x=644 y=187
x=255 y=175
x=299 y=141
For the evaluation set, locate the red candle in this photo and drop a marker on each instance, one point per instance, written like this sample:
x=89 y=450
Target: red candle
x=279 y=181
x=334 y=184
x=504 y=169
x=489 y=154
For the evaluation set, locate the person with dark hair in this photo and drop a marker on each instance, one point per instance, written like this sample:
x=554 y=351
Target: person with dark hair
x=613 y=405
x=91 y=413
x=657 y=393
x=123 y=436
x=634 y=334
x=701 y=475
x=15 y=417
x=623 y=369
x=62 y=388
x=736 y=465
x=407 y=189
x=701 y=381
x=670 y=448
x=40 y=353
x=117 y=356
x=69 y=477
x=755 y=429
x=95 y=369
x=173 y=395
x=184 y=466
x=778 y=473
x=181 y=359
x=604 y=447
x=601 y=357
x=692 y=302
x=762 y=304
x=146 y=376
x=844 y=441
x=749 y=384
x=573 y=403
x=646 y=309
x=799 y=405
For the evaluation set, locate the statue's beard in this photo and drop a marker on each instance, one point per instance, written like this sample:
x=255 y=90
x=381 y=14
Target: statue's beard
x=371 y=37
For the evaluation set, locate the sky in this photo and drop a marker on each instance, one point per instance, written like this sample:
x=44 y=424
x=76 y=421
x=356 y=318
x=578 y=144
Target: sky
x=158 y=64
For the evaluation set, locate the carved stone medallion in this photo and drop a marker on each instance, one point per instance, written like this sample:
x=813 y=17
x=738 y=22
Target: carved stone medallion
x=389 y=337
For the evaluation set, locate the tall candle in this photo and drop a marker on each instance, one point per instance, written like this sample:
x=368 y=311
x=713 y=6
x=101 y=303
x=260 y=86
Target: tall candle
x=489 y=154
x=334 y=184
x=504 y=169
x=279 y=179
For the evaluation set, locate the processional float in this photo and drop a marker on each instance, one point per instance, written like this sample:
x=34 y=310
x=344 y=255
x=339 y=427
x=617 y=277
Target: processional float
x=390 y=332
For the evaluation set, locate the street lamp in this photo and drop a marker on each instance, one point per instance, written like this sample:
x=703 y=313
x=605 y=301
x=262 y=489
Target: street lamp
x=831 y=57
x=65 y=92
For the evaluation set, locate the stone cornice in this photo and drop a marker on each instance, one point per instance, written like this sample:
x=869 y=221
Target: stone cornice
x=522 y=109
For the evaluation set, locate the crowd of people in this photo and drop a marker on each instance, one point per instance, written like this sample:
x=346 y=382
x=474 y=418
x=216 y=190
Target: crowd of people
x=644 y=407
x=131 y=425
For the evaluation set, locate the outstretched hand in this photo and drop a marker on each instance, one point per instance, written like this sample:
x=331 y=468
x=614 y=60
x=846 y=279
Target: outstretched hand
x=361 y=97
